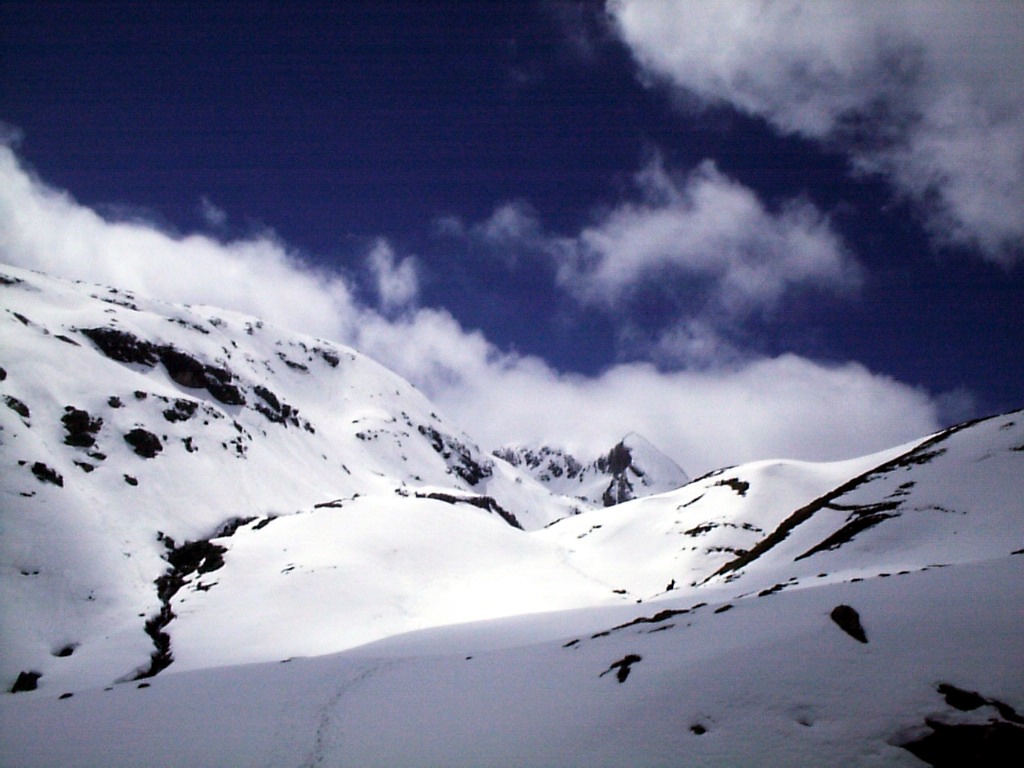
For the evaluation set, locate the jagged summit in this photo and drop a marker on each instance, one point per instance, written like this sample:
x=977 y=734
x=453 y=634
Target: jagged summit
x=631 y=469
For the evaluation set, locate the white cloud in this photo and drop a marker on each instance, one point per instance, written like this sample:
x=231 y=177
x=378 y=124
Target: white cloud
x=710 y=227
x=770 y=407
x=397 y=283
x=694 y=343
x=213 y=215
x=449 y=226
x=929 y=93
x=511 y=225
x=700 y=230
x=758 y=408
x=785 y=406
x=735 y=256
x=512 y=230
x=43 y=228
x=10 y=135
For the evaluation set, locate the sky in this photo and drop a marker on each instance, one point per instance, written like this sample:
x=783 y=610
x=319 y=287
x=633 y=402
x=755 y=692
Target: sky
x=743 y=229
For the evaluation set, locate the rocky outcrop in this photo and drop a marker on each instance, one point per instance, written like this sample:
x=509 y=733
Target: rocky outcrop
x=633 y=468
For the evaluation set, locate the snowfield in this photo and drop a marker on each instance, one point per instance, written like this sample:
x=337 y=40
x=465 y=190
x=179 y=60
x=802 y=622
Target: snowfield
x=223 y=543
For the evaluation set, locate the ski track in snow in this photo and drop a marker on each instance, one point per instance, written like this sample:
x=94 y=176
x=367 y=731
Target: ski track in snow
x=330 y=732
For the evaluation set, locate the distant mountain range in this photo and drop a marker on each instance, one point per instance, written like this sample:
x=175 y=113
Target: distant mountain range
x=631 y=469
x=191 y=496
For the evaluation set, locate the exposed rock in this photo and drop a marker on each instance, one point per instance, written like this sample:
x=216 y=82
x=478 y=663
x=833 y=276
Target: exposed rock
x=659 y=617
x=274 y=409
x=546 y=462
x=181 y=410
x=81 y=428
x=187 y=324
x=623 y=666
x=47 y=475
x=457 y=455
x=849 y=621
x=122 y=346
x=292 y=364
x=27 y=681
x=202 y=556
x=184 y=369
x=993 y=744
x=481 y=502
x=181 y=367
x=619 y=464
x=17 y=406
x=740 y=486
x=968 y=701
x=631 y=469
x=862 y=518
x=920 y=454
x=617 y=461
x=189 y=372
x=329 y=357
x=145 y=443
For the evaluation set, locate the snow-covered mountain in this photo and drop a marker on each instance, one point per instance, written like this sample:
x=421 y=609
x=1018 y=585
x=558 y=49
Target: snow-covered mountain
x=131 y=427
x=631 y=469
x=191 y=497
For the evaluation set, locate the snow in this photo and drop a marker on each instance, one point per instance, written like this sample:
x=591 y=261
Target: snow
x=368 y=570
x=684 y=535
x=375 y=605
x=771 y=677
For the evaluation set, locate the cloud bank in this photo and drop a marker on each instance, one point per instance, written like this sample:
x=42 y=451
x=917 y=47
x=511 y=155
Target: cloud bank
x=709 y=226
x=928 y=93
x=763 y=407
x=700 y=241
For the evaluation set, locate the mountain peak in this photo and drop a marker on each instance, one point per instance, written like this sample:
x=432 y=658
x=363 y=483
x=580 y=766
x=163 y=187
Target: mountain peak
x=631 y=469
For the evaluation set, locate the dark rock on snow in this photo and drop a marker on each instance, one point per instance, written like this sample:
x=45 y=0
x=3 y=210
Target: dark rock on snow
x=81 y=428
x=623 y=666
x=849 y=621
x=146 y=444
x=47 y=474
x=17 y=406
x=27 y=681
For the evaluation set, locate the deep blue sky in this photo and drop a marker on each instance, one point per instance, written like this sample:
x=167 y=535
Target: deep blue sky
x=337 y=123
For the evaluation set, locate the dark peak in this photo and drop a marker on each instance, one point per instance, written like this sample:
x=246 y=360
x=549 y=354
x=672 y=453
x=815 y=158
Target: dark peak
x=618 y=459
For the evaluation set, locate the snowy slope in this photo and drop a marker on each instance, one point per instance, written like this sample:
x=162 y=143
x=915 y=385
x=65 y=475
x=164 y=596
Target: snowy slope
x=130 y=427
x=955 y=498
x=652 y=545
x=773 y=681
x=633 y=468
x=191 y=497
